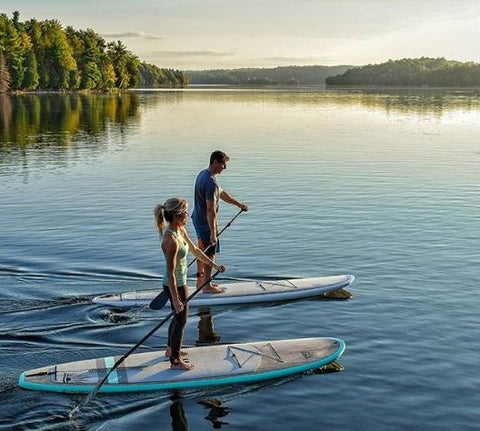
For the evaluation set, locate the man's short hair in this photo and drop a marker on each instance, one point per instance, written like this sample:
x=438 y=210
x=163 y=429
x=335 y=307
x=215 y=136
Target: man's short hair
x=219 y=157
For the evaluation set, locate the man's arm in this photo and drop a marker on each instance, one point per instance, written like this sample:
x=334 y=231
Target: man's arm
x=229 y=199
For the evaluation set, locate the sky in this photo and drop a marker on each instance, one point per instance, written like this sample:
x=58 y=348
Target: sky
x=228 y=34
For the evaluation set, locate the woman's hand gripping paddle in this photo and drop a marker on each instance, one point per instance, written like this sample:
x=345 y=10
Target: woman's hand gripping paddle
x=161 y=299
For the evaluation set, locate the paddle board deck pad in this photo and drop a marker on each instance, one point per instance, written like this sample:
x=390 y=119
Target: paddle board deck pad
x=240 y=292
x=216 y=365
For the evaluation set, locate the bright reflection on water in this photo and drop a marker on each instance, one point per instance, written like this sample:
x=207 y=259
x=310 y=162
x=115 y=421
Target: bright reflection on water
x=380 y=184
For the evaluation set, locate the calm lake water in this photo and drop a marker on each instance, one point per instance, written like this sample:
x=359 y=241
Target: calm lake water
x=384 y=185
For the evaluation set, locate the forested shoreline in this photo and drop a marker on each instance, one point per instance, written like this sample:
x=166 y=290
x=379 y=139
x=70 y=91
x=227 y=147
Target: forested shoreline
x=407 y=72
x=412 y=72
x=42 y=55
x=282 y=75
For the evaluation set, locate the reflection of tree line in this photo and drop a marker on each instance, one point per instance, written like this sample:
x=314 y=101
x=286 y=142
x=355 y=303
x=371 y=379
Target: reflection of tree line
x=421 y=101
x=27 y=119
x=414 y=101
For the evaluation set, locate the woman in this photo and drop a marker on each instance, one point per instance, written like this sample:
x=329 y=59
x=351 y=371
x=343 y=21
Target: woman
x=175 y=246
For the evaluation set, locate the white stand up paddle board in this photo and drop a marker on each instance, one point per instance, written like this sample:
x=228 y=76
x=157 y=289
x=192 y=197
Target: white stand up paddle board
x=243 y=292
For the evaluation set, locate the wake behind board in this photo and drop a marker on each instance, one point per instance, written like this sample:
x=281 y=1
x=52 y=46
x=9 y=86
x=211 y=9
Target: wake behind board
x=240 y=292
x=214 y=366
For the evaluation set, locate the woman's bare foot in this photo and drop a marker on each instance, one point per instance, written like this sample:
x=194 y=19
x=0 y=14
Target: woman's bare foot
x=180 y=365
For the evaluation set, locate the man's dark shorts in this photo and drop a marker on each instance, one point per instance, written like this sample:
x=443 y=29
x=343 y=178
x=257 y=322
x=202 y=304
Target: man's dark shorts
x=204 y=241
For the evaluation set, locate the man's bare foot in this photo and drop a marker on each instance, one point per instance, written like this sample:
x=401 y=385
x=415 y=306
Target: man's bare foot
x=212 y=289
x=168 y=352
x=180 y=365
x=201 y=279
x=199 y=284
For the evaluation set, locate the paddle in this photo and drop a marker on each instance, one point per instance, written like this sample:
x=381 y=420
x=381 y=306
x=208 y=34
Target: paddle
x=95 y=390
x=161 y=299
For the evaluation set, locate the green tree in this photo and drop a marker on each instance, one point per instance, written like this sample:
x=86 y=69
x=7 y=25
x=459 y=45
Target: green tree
x=108 y=76
x=34 y=31
x=124 y=63
x=31 y=78
x=13 y=50
x=59 y=55
x=4 y=74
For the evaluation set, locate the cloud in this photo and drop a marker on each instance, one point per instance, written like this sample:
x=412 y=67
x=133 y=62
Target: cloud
x=189 y=54
x=132 y=35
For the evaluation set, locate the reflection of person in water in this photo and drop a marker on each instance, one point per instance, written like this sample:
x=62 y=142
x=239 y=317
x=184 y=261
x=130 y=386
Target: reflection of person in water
x=179 y=419
x=206 y=329
x=216 y=411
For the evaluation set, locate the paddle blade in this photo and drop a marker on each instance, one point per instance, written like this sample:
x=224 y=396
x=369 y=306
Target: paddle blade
x=159 y=301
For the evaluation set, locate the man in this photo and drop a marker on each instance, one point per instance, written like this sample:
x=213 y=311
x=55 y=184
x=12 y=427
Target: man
x=207 y=197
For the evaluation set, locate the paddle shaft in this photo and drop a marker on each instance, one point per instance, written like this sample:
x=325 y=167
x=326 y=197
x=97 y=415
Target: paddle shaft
x=218 y=234
x=95 y=391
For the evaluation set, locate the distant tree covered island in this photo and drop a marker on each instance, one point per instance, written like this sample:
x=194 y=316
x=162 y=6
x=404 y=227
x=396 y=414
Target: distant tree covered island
x=286 y=75
x=419 y=72
x=412 y=72
x=42 y=55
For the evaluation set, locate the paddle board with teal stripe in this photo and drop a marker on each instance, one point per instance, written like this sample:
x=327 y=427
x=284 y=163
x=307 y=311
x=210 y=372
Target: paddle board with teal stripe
x=224 y=364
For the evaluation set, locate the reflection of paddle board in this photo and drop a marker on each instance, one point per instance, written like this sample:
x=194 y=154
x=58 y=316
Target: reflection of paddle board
x=240 y=292
x=214 y=365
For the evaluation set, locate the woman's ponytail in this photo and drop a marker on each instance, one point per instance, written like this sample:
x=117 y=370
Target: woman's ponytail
x=159 y=217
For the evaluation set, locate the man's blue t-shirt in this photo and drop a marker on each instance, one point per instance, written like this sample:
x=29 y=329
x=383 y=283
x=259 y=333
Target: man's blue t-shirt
x=206 y=188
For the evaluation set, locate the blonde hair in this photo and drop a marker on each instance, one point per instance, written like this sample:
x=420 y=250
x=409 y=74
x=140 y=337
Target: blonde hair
x=168 y=211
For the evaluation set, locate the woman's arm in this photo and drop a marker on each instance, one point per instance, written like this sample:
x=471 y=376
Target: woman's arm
x=199 y=254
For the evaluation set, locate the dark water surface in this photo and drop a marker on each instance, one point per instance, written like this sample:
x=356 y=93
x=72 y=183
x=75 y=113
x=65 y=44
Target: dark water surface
x=384 y=185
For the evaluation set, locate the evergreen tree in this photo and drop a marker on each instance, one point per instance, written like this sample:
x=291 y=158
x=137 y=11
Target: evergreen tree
x=4 y=74
x=31 y=78
x=13 y=50
x=58 y=55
